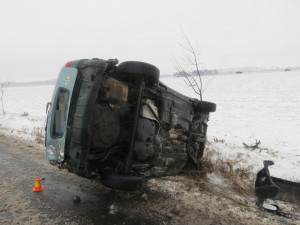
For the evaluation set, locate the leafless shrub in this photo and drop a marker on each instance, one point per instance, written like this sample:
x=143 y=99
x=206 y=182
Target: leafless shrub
x=39 y=134
x=189 y=67
x=25 y=114
x=24 y=130
x=219 y=140
x=256 y=145
x=3 y=87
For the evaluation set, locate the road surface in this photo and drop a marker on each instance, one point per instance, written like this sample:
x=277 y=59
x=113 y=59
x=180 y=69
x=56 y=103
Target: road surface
x=19 y=205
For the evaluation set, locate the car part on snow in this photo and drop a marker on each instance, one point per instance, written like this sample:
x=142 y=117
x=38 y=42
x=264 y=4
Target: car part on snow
x=289 y=190
x=264 y=186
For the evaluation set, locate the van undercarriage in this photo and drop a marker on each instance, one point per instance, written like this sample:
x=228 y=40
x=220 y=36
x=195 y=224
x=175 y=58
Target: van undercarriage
x=121 y=122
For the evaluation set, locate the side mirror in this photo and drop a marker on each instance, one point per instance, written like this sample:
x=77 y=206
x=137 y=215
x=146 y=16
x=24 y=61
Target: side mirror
x=48 y=106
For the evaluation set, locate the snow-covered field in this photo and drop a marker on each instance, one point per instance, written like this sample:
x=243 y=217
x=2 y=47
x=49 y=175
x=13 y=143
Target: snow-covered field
x=250 y=107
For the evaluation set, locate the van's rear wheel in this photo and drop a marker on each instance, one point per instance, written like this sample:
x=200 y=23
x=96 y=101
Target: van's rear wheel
x=134 y=69
x=121 y=182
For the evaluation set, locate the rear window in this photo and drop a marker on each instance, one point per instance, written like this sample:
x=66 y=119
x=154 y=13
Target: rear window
x=60 y=113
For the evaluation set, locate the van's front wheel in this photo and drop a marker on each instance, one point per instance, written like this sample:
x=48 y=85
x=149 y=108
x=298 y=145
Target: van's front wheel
x=203 y=106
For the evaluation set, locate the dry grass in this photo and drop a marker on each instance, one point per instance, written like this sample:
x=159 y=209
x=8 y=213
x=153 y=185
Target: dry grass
x=238 y=177
x=39 y=134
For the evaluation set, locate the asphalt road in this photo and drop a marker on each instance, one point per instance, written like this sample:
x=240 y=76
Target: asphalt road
x=19 y=205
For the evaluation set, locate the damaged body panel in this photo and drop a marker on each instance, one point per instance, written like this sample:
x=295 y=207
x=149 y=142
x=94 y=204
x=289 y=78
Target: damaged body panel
x=57 y=125
x=121 y=121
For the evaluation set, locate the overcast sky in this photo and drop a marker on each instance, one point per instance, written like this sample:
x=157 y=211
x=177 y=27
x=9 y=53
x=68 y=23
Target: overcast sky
x=38 y=37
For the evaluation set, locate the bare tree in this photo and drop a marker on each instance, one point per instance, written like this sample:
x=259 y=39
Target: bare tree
x=3 y=87
x=189 y=67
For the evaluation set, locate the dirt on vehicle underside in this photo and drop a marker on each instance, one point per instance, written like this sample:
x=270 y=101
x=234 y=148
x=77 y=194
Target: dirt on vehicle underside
x=166 y=200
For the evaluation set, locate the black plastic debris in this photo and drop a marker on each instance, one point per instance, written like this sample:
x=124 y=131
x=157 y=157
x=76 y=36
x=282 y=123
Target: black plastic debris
x=264 y=186
x=289 y=190
x=76 y=199
x=272 y=208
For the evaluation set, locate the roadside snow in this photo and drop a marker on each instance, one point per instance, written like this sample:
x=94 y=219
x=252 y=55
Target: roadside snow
x=25 y=108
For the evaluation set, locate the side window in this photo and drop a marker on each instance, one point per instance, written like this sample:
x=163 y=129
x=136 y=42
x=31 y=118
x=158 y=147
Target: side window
x=60 y=111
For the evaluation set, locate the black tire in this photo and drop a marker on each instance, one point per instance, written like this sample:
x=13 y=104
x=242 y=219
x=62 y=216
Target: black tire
x=203 y=106
x=136 y=69
x=121 y=182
